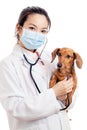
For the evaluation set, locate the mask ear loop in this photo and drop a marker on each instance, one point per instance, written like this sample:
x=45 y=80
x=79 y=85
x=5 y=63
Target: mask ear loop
x=18 y=27
x=43 y=48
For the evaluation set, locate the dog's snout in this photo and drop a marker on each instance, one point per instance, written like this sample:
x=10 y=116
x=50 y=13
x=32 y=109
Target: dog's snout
x=59 y=65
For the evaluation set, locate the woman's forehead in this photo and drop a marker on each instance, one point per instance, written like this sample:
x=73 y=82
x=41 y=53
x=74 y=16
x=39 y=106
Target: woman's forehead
x=37 y=20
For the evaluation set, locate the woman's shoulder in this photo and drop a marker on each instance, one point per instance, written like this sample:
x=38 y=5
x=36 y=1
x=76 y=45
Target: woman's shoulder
x=10 y=58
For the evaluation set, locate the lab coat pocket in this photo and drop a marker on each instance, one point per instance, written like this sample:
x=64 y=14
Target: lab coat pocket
x=38 y=127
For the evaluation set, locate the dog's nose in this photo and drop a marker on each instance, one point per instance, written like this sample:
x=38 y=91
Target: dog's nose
x=59 y=65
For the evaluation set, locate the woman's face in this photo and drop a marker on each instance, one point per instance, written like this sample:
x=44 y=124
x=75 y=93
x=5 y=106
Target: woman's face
x=35 y=22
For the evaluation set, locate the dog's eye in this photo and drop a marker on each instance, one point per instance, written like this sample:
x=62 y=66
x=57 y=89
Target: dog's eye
x=68 y=56
x=59 y=54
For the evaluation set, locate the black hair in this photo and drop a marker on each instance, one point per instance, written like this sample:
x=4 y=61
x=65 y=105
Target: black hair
x=32 y=10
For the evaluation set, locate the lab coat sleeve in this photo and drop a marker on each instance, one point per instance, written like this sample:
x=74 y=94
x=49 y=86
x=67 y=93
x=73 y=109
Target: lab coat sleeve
x=74 y=98
x=21 y=106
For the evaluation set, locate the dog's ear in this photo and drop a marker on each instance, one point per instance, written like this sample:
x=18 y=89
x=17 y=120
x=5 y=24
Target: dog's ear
x=79 y=60
x=54 y=53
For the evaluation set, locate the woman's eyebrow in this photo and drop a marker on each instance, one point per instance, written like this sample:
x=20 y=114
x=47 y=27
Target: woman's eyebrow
x=32 y=24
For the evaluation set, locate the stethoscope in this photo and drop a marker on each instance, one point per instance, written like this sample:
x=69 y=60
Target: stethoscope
x=33 y=64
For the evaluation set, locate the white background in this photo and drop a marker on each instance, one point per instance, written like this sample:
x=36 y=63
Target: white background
x=69 y=28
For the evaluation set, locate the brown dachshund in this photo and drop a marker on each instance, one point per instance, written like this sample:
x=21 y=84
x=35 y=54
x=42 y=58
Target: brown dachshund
x=66 y=68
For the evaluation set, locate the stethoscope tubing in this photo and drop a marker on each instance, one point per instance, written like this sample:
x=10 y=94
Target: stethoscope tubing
x=31 y=65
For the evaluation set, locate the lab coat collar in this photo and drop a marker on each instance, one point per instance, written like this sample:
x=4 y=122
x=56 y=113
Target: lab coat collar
x=19 y=51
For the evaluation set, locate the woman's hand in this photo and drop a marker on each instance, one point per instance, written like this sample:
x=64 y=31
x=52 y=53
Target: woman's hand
x=62 y=88
x=62 y=98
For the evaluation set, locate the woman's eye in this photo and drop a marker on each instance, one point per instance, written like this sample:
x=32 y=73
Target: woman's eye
x=31 y=28
x=44 y=31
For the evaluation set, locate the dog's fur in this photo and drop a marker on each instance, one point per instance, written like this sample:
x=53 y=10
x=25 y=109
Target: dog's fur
x=65 y=67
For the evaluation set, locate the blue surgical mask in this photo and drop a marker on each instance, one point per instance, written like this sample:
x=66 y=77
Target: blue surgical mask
x=32 y=40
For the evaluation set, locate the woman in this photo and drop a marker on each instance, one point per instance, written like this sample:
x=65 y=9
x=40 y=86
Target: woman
x=24 y=88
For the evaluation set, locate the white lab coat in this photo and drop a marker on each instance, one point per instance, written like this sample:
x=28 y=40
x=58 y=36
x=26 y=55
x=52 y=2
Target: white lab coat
x=26 y=108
